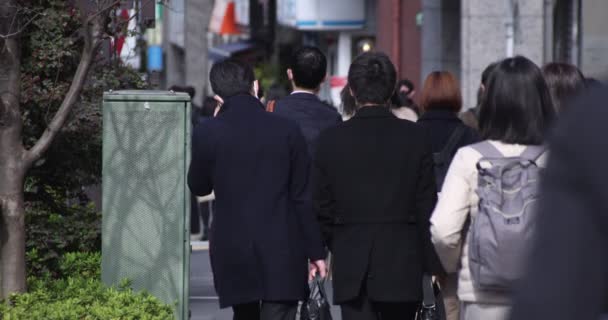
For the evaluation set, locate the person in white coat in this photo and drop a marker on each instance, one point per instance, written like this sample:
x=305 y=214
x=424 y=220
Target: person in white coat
x=516 y=113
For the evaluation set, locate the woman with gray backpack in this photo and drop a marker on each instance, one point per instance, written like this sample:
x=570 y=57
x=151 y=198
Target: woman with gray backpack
x=483 y=223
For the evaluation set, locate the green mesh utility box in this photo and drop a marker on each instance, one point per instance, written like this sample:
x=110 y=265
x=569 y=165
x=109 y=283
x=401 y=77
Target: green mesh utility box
x=146 y=206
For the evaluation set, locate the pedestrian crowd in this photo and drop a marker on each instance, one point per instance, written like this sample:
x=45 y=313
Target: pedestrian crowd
x=402 y=197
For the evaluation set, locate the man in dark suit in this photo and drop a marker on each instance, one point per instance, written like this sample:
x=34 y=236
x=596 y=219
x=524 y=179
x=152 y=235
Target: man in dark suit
x=374 y=194
x=307 y=71
x=567 y=275
x=264 y=231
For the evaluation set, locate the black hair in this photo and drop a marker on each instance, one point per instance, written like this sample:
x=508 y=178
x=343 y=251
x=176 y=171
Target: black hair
x=372 y=78
x=564 y=81
x=406 y=83
x=231 y=77
x=517 y=106
x=309 y=67
x=485 y=75
x=349 y=106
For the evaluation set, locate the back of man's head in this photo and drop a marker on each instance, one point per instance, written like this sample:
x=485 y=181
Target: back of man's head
x=308 y=66
x=231 y=77
x=372 y=78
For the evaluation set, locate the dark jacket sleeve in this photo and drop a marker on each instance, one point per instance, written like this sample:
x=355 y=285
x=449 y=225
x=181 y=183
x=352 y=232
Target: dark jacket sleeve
x=201 y=163
x=426 y=199
x=300 y=195
x=567 y=272
x=323 y=198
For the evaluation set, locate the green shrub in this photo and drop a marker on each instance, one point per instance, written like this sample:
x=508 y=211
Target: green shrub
x=50 y=235
x=79 y=298
x=81 y=264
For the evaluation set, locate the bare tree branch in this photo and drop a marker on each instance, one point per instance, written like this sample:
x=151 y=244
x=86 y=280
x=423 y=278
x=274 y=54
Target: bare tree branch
x=13 y=34
x=93 y=31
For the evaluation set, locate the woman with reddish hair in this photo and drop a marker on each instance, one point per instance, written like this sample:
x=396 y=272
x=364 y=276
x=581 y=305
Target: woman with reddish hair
x=441 y=102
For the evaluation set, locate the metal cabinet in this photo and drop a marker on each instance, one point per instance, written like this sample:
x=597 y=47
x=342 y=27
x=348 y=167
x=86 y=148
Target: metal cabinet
x=146 y=219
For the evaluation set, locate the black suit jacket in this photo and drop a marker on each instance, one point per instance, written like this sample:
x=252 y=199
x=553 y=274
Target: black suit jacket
x=567 y=275
x=310 y=113
x=263 y=229
x=374 y=194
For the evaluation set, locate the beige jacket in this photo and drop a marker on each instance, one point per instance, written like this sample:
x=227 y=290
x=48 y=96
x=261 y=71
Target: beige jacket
x=456 y=201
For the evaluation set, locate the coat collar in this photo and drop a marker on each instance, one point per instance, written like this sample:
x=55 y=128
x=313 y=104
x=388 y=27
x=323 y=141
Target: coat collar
x=304 y=96
x=374 y=112
x=239 y=101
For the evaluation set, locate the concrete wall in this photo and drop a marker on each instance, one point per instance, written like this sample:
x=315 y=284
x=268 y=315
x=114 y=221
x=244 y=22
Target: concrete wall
x=186 y=45
x=483 y=36
x=440 y=36
x=594 y=54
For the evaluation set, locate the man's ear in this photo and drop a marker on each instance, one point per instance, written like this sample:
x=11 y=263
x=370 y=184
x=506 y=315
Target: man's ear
x=256 y=88
x=290 y=74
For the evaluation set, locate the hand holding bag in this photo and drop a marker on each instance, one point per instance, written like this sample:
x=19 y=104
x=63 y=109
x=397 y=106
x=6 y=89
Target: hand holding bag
x=316 y=307
x=432 y=304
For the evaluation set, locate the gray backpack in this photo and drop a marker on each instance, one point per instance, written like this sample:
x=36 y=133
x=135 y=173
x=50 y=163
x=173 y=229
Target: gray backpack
x=503 y=229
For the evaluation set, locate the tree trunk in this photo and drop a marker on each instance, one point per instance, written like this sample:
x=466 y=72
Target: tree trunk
x=12 y=230
x=12 y=170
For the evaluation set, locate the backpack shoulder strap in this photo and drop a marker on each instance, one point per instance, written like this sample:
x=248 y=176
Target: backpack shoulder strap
x=533 y=152
x=487 y=150
x=450 y=146
x=270 y=106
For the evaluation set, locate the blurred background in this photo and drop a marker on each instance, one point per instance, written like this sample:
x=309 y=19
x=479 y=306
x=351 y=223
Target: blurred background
x=176 y=41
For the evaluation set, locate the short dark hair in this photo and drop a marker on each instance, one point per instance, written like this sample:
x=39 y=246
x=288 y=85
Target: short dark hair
x=309 y=67
x=517 y=106
x=231 y=77
x=441 y=91
x=372 y=78
x=564 y=81
x=407 y=83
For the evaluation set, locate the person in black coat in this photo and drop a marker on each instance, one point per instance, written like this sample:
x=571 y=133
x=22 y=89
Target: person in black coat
x=264 y=231
x=307 y=71
x=374 y=194
x=441 y=102
x=567 y=273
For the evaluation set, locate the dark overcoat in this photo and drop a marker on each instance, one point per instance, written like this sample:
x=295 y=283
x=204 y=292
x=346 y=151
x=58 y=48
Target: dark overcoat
x=310 y=113
x=374 y=194
x=440 y=124
x=263 y=228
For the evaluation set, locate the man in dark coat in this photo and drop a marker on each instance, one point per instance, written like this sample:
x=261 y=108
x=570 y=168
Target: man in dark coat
x=264 y=231
x=567 y=275
x=307 y=72
x=374 y=194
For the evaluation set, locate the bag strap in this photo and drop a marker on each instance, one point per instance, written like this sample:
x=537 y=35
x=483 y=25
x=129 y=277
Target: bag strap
x=428 y=293
x=488 y=150
x=270 y=106
x=532 y=153
x=449 y=148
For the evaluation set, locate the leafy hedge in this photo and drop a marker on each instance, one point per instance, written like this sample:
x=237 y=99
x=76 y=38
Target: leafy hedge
x=50 y=235
x=80 y=295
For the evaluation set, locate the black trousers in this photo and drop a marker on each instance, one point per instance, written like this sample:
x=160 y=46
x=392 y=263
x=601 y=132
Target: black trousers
x=363 y=308
x=266 y=310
